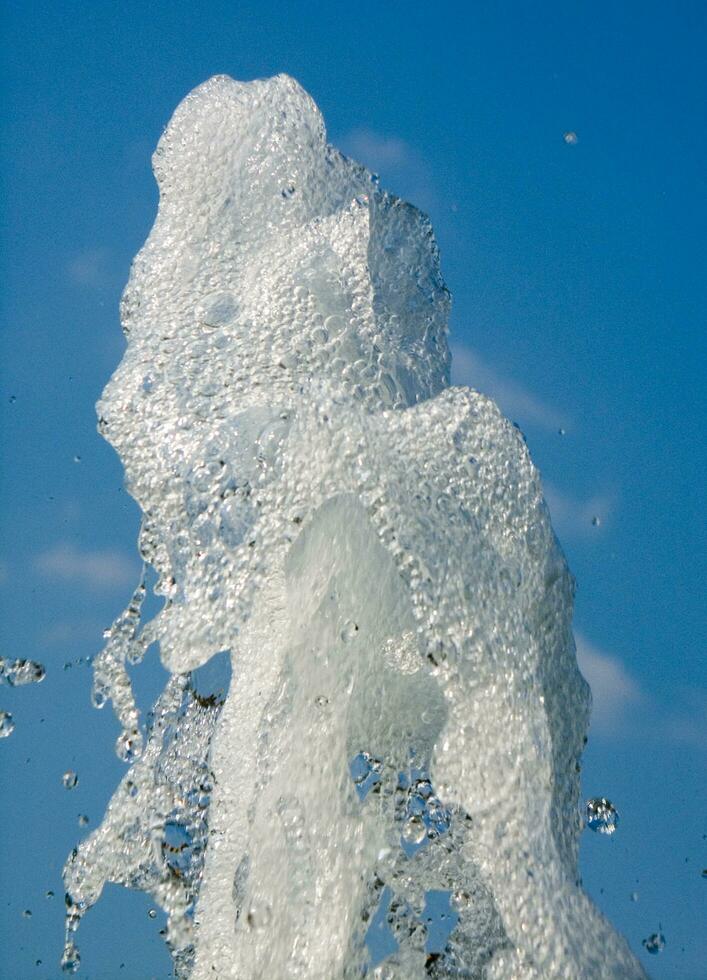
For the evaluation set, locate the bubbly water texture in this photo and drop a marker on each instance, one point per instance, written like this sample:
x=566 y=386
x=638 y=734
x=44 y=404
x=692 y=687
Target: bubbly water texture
x=372 y=548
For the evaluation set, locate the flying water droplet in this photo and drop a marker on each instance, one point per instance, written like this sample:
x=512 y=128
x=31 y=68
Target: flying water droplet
x=655 y=943
x=70 y=779
x=602 y=817
x=571 y=138
x=17 y=673
x=83 y=820
x=7 y=725
x=71 y=960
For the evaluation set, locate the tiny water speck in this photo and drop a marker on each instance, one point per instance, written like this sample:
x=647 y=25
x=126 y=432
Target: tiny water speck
x=596 y=521
x=571 y=138
x=83 y=820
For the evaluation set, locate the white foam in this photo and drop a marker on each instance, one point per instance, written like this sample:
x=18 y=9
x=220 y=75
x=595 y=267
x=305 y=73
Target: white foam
x=372 y=547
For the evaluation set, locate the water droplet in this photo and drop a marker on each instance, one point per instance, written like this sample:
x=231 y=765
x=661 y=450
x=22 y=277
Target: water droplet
x=634 y=896
x=70 y=779
x=77 y=458
x=602 y=816
x=655 y=943
x=7 y=725
x=414 y=830
x=16 y=673
x=571 y=138
x=27 y=914
x=152 y=913
x=596 y=521
x=83 y=820
x=349 y=631
x=71 y=959
x=50 y=894
x=561 y=431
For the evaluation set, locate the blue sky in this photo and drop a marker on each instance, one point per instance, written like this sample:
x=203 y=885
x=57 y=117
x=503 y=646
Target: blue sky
x=578 y=277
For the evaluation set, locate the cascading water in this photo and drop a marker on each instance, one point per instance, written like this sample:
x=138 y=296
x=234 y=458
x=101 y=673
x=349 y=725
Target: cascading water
x=371 y=547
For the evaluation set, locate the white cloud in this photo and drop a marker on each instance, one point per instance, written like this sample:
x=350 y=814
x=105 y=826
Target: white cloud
x=90 y=268
x=622 y=706
x=516 y=401
x=614 y=691
x=94 y=570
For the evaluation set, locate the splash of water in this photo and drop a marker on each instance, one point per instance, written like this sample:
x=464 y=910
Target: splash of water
x=372 y=548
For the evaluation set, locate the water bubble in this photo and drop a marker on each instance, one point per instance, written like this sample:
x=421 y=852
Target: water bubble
x=70 y=779
x=50 y=894
x=602 y=816
x=83 y=820
x=27 y=914
x=459 y=900
x=128 y=746
x=259 y=916
x=596 y=521
x=349 y=631
x=71 y=960
x=414 y=830
x=77 y=458
x=7 y=725
x=634 y=896
x=571 y=138
x=152 y=913
x=655 y=943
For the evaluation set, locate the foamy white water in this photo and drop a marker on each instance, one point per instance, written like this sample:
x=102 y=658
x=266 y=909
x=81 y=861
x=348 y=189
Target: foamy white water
x=372 y=548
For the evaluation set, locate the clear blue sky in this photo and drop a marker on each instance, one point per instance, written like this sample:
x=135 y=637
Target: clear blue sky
x=578 y=275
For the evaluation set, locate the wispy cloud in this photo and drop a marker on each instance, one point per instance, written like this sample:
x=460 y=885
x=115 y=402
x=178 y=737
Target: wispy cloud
x=575 y=518
x=65 y=633
x=90 y=268
x=514 y=399
x=94 y=570
x=622 y=706
x=614 y=690
x=402 y=169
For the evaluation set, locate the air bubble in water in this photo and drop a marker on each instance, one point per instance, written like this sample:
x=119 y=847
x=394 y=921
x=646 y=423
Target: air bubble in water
x=128 y=746
x=414 y=830
x=602 y=816
x=349 y=631
x=7 y=725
